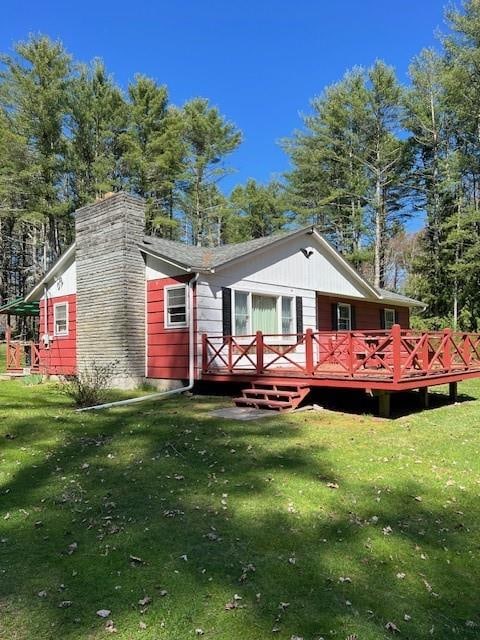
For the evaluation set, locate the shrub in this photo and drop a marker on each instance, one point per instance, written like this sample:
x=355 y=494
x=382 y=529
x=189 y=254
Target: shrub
x=89 y=386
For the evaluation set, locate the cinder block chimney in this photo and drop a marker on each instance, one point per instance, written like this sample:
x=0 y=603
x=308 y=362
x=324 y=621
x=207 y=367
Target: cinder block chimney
x=111 y=287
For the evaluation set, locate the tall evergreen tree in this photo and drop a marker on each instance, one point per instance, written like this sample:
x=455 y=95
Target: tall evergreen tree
x=154 y=153
x=97 y=119
x=351 y=166
x=327 y=185
x=258 y=210
x=208 y=139
x=33 y=94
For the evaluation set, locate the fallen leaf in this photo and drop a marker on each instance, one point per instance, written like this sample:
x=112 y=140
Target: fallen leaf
x=110 y=627
x=65 y=604
x=332 y=485
x=142 y=625
x=144 y=601
x=42 y=594
x=135 y=561
x=103 y=613
x=72 y=548
x=199 y=632
x=392 y=627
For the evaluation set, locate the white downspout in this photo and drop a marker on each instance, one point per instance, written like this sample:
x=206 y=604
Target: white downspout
x=45 y=317
x=191 y=361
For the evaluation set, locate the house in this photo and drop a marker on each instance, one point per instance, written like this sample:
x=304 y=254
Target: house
x=280 y=314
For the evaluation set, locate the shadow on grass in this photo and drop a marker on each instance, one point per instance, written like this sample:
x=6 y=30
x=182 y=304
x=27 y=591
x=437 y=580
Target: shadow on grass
x=215 y=509
x=354 y=401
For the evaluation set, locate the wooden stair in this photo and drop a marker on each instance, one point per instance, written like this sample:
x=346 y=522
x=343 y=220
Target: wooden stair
x=277 y=397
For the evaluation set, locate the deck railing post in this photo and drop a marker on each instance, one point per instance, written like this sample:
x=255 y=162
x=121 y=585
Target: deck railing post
x=466 y=349
x=425 y=348
x=259 y=351
x=447 y=349
x=204 y=352
x=350 y=354
x=396 y=333
x=229 y=353
x=309 y=352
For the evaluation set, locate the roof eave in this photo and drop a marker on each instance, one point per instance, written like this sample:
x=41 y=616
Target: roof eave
x=261 y=249
x=356 y=276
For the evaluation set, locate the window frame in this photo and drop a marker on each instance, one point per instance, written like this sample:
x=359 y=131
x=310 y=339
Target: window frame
x=390 y=310
x=279 y=312
x=166 y=321
x=60 y=334
x=348 y=306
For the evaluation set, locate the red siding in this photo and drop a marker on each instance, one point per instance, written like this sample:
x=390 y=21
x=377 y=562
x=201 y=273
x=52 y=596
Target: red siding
x=61 y=357
x=167 y=349
x=367 y=313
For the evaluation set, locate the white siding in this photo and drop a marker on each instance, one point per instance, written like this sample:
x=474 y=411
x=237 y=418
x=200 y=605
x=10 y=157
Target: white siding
x=286 y=264
x=282 y=270
x=156 y=268
x=63 y=283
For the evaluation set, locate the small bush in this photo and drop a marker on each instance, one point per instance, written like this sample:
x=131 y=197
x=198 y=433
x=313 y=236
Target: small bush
x=89 y=387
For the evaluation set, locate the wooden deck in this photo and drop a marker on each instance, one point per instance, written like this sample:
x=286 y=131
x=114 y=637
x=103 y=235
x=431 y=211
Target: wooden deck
x=392 y=360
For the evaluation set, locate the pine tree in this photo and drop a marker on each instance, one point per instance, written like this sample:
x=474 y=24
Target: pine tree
x=351 y=166
x=33 y=95
x=208 y=139
x=97 y=119
x=258 y=210
x=154 y=153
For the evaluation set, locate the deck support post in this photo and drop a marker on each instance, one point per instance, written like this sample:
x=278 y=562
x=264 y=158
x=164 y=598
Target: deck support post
x=424 y=398
x=383 y=403
x=453 y=391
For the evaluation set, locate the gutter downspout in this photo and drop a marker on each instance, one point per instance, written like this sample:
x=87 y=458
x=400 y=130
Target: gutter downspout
x=191 y=362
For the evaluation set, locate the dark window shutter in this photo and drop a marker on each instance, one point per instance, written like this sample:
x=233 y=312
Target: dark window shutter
x=299 y=313
x=397 y=317
x=382 y=318
x=334 y=317
x=227 y=311
x=353 y=318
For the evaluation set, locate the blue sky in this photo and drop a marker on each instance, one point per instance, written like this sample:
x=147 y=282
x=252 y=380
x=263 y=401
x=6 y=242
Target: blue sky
x=259 y=62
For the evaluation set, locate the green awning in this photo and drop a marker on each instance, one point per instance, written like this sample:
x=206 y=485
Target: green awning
x=19 y=307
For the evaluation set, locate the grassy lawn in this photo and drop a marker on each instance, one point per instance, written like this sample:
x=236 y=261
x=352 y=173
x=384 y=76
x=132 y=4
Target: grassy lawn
x=324 y=524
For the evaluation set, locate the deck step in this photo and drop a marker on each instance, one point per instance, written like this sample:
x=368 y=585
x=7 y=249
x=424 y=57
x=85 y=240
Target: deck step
x=273 y=396
x=264 y=403
x=248 y=393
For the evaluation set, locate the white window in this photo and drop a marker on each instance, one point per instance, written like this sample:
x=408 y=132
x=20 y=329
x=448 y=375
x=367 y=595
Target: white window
x=344 y=317
x=176 y=306
x=242 y=316
x=60 y=319
x=269 y=314
x=287 y=315
x=388 y=318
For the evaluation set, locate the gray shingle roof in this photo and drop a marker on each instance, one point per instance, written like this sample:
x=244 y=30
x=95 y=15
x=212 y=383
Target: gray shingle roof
x=397 y=297
x=206 y=258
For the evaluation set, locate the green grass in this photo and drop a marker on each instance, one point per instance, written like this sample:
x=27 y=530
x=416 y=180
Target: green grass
x=396 y=534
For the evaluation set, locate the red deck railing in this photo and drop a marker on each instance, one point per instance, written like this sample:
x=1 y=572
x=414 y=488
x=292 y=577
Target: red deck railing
x=22 y=354
x=395 y=355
